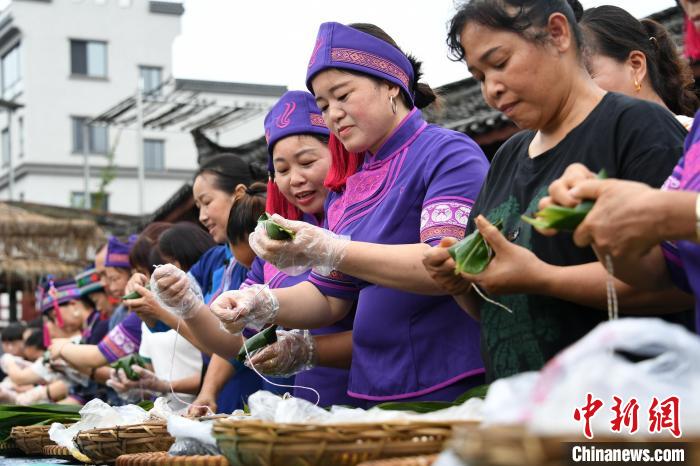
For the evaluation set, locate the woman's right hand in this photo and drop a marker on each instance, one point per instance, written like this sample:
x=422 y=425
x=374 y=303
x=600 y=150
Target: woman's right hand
x=441 y=267
x=204 y=405
x=254 y=307
x=175 y=291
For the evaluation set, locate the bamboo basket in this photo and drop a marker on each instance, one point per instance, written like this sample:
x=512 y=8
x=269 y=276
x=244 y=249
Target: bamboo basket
x=8 y=447
x=425 y=460
x=516 y=446
x=257 y=443
x=106 y=444
x=31 y=439
x=163 y=458
x=56 y=450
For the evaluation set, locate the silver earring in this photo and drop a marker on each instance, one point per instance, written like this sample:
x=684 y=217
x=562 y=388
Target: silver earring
x=393 y=104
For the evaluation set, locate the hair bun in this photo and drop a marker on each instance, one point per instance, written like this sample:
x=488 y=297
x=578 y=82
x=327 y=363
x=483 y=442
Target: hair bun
x=577 y=7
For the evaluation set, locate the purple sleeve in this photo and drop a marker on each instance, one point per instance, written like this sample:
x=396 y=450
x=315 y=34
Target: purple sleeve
x=454 y=178
x=122 y=340
x=256 y=274
x=337 y=285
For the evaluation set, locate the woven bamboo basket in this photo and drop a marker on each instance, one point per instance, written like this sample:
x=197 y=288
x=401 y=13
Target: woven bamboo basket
x=257 y=443
x=8 y=447
x=516 y=446
x=163 y=458
x=56 y=450
x=424 y=460
x=31 y=439
x=106 y=444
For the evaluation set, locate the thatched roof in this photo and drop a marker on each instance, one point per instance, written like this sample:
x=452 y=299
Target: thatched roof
x=33 y=245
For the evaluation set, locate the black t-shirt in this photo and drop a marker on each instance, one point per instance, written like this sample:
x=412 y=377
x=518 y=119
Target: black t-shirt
x=631 y=139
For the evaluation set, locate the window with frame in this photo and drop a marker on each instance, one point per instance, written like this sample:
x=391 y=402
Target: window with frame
x=152 y=77
x=98 y=137
x=88 y=58
x=153 y=155
x=98 y=201
x=10 y=74
x=5 y=137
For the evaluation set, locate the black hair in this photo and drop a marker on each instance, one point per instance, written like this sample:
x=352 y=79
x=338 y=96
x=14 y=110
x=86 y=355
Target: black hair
x=13 y=332
x=36 y=323
x=184 y=242
x=423 y=93
x=247 y=207
x=87 y=302
x=35 y=339
x=229 y=171
x=613 y=32
x=140 y=251
x=526 y=18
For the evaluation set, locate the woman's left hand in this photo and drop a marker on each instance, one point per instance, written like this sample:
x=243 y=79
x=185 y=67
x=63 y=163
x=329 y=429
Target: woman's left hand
x=57 y=345
x=513 y=268
x=147 y=380
x=146 y=307
x=312 y=247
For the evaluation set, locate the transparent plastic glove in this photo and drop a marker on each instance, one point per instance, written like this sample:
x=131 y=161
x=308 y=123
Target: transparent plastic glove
x=147 y=381
x=312 y=247
x=293 y=352
x=176 y=291
x=253 y=307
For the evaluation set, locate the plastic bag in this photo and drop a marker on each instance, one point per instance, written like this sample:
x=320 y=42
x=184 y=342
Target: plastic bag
x=632 y=358
x=191 y=437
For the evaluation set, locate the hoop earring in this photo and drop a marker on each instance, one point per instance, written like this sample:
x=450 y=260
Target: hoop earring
x=392 y=99
x=637 y=85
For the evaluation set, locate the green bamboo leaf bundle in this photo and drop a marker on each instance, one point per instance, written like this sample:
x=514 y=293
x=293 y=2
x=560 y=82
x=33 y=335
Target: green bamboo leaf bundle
x=125 y=364
x=274 y=230
x=472 y=254
x=556 y=217
x=258 y=341
x=134 y=294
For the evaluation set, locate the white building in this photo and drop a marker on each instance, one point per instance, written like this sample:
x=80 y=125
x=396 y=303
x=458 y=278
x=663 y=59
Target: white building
x=67 y=61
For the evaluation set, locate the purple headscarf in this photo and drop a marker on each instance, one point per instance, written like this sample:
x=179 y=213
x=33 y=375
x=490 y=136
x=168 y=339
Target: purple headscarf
x=340 y=46
x=118 y=252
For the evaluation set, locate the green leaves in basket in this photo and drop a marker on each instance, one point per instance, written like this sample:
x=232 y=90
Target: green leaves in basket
x=476 y=392
x=15 y=415
x=472 y=254
x=274 y=230
x=258 y=341
x=560 y=218
x=415 y=406
x=125 y=364
x=146 y=405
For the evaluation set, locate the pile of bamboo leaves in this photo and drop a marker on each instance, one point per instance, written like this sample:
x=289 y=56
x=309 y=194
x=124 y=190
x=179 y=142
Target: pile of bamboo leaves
x=38 y=414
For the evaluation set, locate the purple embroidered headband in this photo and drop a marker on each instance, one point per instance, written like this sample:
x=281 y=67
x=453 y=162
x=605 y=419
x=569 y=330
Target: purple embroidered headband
x=295 y=113
x=340 y=46
x=118 y=252
x=54 y=294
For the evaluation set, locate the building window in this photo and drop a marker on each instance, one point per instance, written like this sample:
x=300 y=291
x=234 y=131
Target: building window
x=97 y=137
x=153 y=155
x=20 y=131
x=88 y=58
x=6 y=147
x=98 y=201
x=152 y=78
x=11 y=76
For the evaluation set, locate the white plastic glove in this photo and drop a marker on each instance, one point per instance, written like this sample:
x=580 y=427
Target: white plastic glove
x=312 y=247
x=6 y=361
x=253 y=307
x=147 y=381
x=293 y=352
x=175 y=291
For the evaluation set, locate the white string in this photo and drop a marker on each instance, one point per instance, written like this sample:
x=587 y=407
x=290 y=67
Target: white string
x=252 y=366
x=170 y=377
x=613 y=312
x=489 y=300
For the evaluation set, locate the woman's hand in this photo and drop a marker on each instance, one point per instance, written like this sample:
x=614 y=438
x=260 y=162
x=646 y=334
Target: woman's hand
x=203 y=405
x=57 y=345
x=254 y=306
x=147 y=306
x=175 y=291
x=147 y=381
x=441 y=267
x=513 y=268
x=312 y=247
x=293 y=352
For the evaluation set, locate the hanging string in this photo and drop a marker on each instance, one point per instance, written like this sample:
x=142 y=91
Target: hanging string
x=613 y=311
x=489 y=300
